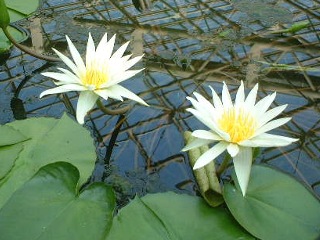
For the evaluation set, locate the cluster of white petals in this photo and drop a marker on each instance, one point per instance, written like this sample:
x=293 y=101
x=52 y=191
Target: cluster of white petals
x=236 y=127
x=98 y=76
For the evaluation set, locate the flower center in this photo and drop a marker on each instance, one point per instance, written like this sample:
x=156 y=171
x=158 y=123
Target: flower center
x=240 y=124
x=94 y=78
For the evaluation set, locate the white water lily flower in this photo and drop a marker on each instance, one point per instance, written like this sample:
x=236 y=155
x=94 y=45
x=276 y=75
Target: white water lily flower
x=237 y=127
x=98 y=76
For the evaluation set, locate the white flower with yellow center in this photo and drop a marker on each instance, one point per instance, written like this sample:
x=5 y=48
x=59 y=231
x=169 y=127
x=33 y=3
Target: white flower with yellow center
x=99 y=76
x=237 y=127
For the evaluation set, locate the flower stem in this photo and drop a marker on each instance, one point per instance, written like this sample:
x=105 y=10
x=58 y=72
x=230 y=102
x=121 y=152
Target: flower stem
x=223 y=165
x=110 y=111
x=26 y=49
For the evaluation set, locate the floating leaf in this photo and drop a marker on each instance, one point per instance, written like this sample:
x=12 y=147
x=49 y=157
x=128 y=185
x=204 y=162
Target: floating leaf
x=8 y=156
x=276 y=206
x=49 y=206
x=50 y=140
x=10 y=136
x=10 y=147
x=21 y=9
x=173 y=216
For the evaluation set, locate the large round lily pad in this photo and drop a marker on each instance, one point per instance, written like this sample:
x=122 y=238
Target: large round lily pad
x=49 y=206
x=48 y=140
x=174 y=216
x=276 y=206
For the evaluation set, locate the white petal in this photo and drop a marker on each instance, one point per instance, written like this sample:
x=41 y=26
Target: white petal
x=203 y=118
x=202 y=109
x=204 y=103
x=86 y=101
x=272 y=125
x=206 y=135
x=61 y=77
x=272 y=113
x=120 y=51
x=76 y=57
x=67 y=61
x=62 y=89
x=209 y=123
x=126 y=57
x=251 y=98
x=233 y=149
x=71 y=75
x=268 y=140
x=226 y=98
x=120 y=77
x=197 y=106
x=117 y=89
x=105 y=48
x=240 y=96
x=90 y=52
x=103 y=42
x=263 y=104
x=106 y=93
x=216 y=100
x=210 y=155
x=242 y=166
x=198 y=142
x=128 y=64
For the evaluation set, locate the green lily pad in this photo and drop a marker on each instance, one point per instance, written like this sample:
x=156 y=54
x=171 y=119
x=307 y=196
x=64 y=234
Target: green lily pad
x=174 y=216
x=10 y=136
x=8 y=156
x=10 y=147
x=276 y=206
x=21 y=9
x=50 y=140
x=48 y=206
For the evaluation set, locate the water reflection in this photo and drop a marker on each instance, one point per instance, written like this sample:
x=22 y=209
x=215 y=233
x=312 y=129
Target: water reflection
x=188 y=45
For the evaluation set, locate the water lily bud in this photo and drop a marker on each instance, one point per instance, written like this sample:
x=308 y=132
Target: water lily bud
x=4 y=15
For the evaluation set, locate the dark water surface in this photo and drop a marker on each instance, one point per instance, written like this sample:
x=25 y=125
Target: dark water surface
x=188 y=45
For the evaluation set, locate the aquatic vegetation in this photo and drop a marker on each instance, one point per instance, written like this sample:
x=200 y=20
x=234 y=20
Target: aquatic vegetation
x=116 y=174
x=237 y=127
x=99 y=76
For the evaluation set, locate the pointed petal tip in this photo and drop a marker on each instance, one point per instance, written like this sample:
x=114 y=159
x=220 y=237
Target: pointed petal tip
x=80 y=121
x=41 y=95
x=197 y=166
x=144 y=103
x=189 y=98
x=242 y=166
x=243 y=193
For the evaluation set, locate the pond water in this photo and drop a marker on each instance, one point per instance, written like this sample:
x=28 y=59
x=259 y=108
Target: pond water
x=188 y=46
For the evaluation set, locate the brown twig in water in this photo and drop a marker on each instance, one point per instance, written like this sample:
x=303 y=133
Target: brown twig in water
x=28 y=50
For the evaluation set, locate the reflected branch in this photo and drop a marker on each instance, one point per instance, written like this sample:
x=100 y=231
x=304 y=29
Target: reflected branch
x=28 y=50
x=112 y=111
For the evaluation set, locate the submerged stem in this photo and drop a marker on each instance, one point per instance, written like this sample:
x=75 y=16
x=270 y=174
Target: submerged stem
x=28 y=50
x=112 y=111
x=224 y=164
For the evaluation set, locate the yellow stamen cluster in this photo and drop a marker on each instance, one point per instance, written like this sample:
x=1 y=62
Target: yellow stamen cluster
x=240 y=124
x=94 y=78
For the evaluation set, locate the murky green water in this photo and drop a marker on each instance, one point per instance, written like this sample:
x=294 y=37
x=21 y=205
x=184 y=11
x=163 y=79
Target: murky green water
x=188 y=45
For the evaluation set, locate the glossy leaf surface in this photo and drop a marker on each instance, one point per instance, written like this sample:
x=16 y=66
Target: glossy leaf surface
x=49 y=140
x=49 y=206
x=276 y=206
x=173 y=216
